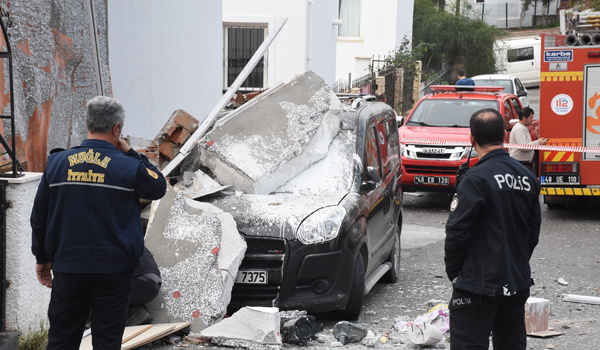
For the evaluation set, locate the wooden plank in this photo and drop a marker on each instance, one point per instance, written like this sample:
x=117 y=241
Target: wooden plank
x=129 y=333
x=133 y=331
x=156 y=332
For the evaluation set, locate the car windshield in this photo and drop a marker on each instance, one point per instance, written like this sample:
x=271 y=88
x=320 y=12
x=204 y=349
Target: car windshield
x=448 y=113
x=331 y=174
x=505 y=83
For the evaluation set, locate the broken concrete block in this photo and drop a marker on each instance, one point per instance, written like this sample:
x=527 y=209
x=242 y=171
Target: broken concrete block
x=198 y=250
x=275 y=139
x=250 y=327
x=198 y=184
x=174 y=133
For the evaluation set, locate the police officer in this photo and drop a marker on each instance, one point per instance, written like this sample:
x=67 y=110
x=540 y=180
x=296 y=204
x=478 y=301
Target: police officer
x=492 y=229
x=87 y=235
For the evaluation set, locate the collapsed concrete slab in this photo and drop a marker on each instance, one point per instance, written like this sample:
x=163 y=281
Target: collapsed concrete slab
x=275 y=139
x=198 y=250
x=250 y=327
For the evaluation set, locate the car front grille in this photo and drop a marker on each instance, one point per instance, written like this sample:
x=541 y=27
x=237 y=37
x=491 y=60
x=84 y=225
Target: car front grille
x=263 y=253
x=261 y=245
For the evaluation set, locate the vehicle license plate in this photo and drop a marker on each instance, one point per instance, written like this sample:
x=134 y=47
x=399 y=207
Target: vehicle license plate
x=252 y=277
x=561 y=180
x=432 y=180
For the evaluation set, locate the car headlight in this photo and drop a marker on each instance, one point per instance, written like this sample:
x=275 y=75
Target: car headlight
x=321 y=226
x=460 y=153
x=472 y=151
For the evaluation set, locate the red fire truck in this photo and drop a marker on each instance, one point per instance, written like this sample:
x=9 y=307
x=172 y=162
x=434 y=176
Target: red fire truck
x=570 y=117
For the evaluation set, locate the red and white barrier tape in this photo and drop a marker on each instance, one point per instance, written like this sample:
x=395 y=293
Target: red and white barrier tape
x=506 y=145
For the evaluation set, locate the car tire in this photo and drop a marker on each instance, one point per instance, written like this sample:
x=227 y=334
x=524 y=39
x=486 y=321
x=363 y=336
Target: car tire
x=357 y=292
x=392 y=275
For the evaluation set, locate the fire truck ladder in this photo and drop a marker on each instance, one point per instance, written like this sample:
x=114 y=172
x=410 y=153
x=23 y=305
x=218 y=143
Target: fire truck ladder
x=16 y=169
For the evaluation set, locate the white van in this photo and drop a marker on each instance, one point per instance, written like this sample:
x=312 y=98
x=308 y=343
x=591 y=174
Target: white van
x=520 y=57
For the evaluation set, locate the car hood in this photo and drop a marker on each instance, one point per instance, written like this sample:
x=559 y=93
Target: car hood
x=411 y=134
x=273 y=215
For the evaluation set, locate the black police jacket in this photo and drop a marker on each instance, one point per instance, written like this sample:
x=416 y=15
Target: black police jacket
x=493 y=227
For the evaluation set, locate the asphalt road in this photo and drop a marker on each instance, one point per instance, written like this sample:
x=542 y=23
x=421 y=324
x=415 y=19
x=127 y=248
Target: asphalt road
x=568 y=249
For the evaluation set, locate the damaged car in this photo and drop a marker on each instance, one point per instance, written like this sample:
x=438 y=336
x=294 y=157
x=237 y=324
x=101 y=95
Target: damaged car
x=316 y=194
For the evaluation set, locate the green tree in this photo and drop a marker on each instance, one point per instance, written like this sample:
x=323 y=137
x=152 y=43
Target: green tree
x=442 y=39
x=454 y=39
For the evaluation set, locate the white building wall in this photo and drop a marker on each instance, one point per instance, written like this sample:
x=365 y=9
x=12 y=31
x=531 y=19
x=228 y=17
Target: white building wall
x=26 y=299
x=304 y=34
x=323 y=37
x=384 y=24
x=164 y=58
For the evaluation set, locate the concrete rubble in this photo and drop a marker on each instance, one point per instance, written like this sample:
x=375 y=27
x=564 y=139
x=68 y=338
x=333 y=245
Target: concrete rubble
x=254 y=328
x=169 y=140
x=198 y=250
x=196 y=245
x=274 y=140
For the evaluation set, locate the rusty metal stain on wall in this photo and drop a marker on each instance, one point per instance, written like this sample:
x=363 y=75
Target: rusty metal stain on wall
x=55 y=72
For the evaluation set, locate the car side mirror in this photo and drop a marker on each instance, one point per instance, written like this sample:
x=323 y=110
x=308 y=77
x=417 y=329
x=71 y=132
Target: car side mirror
x=372 y=179
x=522 y=93
x=400 y=120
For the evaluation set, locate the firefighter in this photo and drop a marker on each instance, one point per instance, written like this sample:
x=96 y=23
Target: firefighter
x=491 y=232
x=87 y=236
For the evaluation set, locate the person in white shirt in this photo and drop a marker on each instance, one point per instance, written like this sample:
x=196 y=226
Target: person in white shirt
x=520 y=135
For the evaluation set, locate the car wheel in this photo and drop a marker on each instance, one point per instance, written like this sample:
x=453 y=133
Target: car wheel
x=357 y=293
x=392 y=275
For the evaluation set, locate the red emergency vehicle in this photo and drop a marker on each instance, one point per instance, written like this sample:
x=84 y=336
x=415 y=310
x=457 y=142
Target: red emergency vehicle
x=569 y=117
x=434 y=138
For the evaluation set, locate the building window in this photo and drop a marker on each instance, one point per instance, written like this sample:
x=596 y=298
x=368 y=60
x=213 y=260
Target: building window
x=240 y=43
x=350 y=16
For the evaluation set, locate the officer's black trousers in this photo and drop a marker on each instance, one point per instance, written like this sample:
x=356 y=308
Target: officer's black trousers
x=473 y=317
x=72 y=297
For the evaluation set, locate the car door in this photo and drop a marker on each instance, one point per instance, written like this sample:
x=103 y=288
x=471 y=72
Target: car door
x=375 y=205
x=522 y=92
x=382 y=210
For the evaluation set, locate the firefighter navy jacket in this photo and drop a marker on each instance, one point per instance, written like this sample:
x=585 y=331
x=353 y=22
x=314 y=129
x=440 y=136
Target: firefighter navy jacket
x=86 y=216
x=493 y=227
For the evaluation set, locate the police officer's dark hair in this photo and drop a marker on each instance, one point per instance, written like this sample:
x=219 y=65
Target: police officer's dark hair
x=525 y=112
x=487 y=127
x=103 y=113
x=381 y=97
x=461 y=73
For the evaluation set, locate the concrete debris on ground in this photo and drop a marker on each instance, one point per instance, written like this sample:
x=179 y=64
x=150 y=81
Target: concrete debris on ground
x=275 y=139
x=198 y=250
x=346 y=332
x=254 y=328
x=424 y=334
